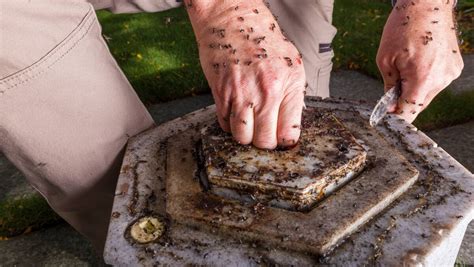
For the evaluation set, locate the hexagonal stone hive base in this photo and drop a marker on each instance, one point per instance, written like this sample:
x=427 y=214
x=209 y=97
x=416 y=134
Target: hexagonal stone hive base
x=324 y=159
x=384 y=216
x=348 y=208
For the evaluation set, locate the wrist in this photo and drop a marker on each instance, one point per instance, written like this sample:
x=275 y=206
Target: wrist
x=406 y=3
x=205 y=15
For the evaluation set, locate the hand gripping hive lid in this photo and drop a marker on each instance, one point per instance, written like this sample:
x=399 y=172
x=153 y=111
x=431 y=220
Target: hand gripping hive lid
x=326 y=156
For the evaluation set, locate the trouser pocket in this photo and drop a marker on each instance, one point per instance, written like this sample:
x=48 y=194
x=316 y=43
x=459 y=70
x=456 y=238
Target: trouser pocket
x=64 y=122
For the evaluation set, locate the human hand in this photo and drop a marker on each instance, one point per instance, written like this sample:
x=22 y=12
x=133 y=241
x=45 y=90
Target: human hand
x=256 y=75
x=419 y=48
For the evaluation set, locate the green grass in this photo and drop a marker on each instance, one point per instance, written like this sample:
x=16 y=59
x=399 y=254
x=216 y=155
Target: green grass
x=447 y=109
x=160 y=59
x=360 y=24
x=24 y=214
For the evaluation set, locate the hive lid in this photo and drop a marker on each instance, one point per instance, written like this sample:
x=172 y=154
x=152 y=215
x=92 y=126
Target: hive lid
x=326 y=157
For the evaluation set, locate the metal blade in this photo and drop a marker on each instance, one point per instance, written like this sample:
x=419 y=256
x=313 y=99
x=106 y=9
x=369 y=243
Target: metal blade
x=381 y=109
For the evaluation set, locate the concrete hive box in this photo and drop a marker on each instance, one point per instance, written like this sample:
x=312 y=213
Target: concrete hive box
x=409 y=203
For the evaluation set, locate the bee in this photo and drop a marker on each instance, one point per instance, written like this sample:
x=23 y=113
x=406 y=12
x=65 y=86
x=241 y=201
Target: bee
x=222 y=33
x=272 y=26
x=255 y=11
x=288 y=61
x=258 y=40
x=240 y=18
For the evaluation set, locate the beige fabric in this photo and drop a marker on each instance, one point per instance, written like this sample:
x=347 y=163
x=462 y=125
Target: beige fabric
x=67 y=111
x=133 y=6
x=308 y=24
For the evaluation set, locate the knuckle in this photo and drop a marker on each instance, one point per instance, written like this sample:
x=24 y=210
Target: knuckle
x=458 y=70
x=380 y=61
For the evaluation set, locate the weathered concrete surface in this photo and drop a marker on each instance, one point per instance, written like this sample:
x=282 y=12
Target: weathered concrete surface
x=56 y=246
x=458 y=141
x=429 y=224
x=173 y=109
x=13 y=184
x=354 y=85
x=466 y=253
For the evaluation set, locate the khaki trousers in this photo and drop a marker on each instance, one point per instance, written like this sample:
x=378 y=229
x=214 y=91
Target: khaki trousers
x=67 y=110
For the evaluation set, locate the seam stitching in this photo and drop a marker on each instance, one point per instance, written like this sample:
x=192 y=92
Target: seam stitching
x=56 y=55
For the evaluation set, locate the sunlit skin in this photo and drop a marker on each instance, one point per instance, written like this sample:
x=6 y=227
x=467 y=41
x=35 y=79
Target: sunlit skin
x=259 y=87
x=257 y=76
x=419 y=48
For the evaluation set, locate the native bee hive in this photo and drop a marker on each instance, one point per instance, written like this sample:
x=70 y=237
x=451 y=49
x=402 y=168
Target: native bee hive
x=326 y=157
x=345 y=194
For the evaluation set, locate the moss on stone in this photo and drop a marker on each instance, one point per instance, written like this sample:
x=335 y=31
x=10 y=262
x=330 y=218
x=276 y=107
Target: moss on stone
x=24 y=214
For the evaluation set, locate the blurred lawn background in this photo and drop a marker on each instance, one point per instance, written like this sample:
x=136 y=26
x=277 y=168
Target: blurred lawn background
x=158 y=54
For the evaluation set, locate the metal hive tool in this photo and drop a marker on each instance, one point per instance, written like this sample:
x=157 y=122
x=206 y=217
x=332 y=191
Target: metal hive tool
x=404 y=206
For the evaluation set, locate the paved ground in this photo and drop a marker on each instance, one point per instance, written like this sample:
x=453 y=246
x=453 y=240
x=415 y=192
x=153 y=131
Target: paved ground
x=61 y=245
x=56 y=246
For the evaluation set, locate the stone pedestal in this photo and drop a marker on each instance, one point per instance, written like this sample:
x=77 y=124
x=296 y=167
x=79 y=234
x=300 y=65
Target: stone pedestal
x=410 y=204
